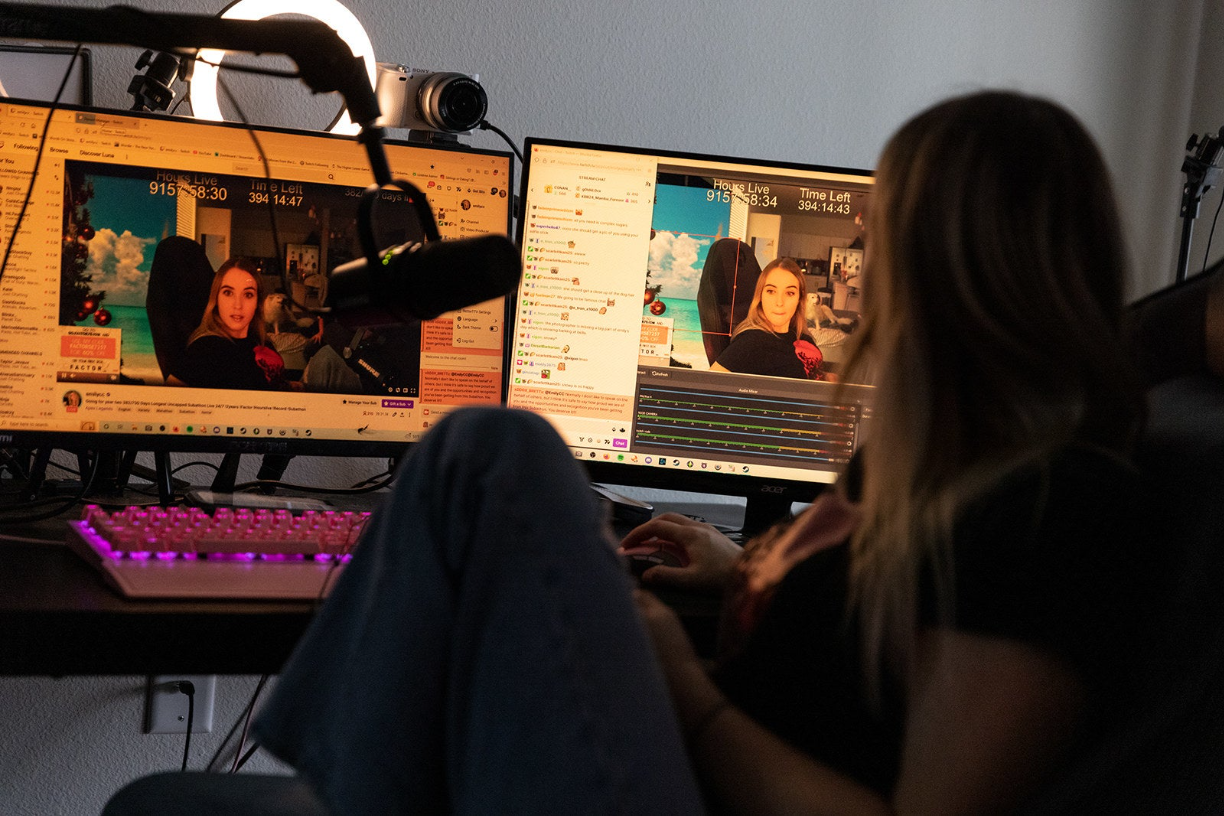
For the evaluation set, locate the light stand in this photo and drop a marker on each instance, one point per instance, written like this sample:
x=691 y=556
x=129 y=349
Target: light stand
x=1202 y=170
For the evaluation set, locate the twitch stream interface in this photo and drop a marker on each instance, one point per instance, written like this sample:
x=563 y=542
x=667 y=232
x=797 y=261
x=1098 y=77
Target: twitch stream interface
x=79 y=351
x=610 y=334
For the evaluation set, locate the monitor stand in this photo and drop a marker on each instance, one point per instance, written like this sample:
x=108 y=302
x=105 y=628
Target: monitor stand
x=34 y=465
x=222 y=493
x=762 y=511
x=117 y=469
x=271 y=468
x=227 y=473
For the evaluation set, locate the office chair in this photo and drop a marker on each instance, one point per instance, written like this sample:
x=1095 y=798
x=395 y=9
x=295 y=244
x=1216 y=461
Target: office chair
x=180 y=279
x=214 y=794
x=724 y=292
x=1163 y=751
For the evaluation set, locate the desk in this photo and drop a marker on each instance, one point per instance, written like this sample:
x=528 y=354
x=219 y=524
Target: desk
x=58 y=618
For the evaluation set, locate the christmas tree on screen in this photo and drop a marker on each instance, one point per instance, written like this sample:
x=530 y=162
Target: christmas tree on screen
x=77 y=298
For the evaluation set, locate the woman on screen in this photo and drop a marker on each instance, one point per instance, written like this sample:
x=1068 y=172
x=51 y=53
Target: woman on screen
x=773 y=339
x=932 y=636
x=229 y=349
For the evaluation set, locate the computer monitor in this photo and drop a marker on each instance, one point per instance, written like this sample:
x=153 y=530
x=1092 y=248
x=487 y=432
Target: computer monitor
x=111 y=272
x=36 y=72
x=639 y=269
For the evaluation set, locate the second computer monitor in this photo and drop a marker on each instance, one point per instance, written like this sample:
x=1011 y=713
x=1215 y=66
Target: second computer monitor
x=126 y=325
x=645 y=330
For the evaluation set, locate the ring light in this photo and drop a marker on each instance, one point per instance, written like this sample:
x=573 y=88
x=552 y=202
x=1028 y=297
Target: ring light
x=204 y=81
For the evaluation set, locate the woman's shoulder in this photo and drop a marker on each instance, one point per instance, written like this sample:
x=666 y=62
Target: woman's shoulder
x=1061 y=491
x=1068 y=473
x=1055 y=555
x=755 y=336
x=210 y=341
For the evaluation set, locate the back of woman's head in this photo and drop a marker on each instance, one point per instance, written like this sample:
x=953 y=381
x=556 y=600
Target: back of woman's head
x=992 y=305
x=995 y=280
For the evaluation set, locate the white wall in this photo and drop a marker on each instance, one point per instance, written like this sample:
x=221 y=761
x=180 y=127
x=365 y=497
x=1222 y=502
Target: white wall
x=821 y=81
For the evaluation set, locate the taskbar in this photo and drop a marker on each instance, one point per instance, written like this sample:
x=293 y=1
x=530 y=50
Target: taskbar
x=707 y=466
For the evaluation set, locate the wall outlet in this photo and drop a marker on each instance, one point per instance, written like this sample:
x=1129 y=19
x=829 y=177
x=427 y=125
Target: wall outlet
x=166 y=706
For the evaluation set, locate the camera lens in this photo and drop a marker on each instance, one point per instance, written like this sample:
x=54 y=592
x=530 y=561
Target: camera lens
x=453 y=102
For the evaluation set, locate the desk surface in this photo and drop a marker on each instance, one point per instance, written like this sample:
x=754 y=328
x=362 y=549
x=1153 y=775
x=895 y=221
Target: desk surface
x=58 y=617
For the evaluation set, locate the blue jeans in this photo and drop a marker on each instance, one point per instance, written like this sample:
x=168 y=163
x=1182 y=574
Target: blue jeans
x=482 y=653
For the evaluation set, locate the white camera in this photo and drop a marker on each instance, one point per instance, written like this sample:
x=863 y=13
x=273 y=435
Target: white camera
x=430 y=101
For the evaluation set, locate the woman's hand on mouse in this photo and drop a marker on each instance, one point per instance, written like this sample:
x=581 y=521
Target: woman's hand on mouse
x=711 y=555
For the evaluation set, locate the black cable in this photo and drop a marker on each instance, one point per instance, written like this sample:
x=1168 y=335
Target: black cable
x=251 y=69
x=254 y=748
x=188 y=688
x=234 y=728
x=263 y=158
x=38 y=159
x=336 y=491
x=86 y=485
x=198 y=463
x=1211 y=233
x=484 y=125
x=65 y=468
x=388 y=472
x=246 y=727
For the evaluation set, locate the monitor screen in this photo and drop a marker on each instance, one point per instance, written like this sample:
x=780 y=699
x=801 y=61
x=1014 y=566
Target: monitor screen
x=647 y=334
x=123 y=330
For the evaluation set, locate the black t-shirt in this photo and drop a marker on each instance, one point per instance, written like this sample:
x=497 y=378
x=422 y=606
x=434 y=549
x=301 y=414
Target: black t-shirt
x=212 y=361
x=1051 y=558
x=756 y=351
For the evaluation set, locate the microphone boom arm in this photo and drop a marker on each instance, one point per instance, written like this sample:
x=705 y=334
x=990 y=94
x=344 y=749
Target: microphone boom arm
x=324 y=61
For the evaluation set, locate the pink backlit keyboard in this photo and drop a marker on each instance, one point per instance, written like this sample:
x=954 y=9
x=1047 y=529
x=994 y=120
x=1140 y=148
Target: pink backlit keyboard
x=186 y=552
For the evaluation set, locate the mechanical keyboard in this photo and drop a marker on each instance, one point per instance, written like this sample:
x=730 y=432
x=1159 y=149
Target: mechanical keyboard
x=187 y=552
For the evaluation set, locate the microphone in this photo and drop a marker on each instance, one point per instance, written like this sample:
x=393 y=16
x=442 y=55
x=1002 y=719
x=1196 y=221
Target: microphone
x=419 y=281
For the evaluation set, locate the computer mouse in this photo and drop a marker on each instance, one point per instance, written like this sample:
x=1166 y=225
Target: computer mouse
x=653 y=553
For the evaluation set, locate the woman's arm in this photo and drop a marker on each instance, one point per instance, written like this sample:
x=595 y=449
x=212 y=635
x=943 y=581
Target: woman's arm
x=987 y=720
x=744 y=768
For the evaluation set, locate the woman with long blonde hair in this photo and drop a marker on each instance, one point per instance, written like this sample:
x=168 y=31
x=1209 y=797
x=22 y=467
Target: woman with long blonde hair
x=933 y=634
x=773 y=339
x=229 y=348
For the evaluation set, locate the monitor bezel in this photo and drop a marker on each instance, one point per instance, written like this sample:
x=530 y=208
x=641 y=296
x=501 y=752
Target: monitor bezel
x=768 y=497
x=81 y=441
